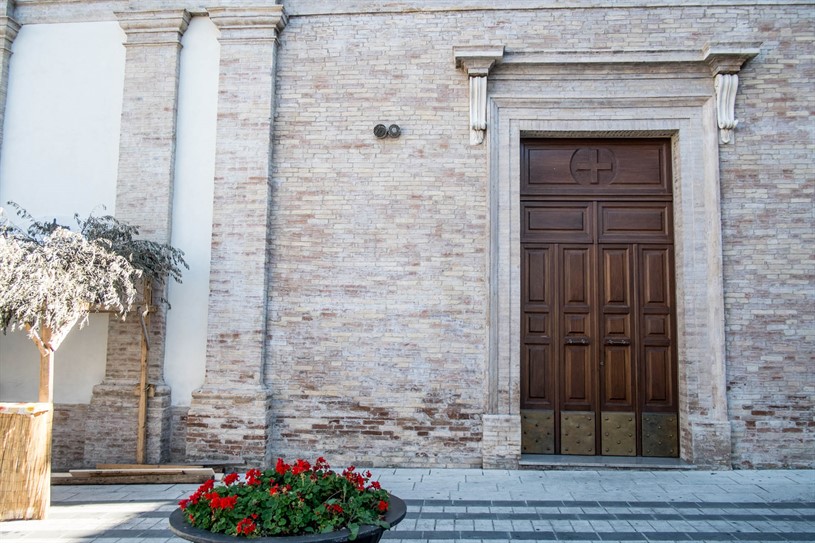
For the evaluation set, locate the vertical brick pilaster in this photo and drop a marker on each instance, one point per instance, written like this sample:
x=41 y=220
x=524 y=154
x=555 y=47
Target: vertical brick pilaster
x=501 y=441
x=240 y=232
x=144 y=195
x=8 y=31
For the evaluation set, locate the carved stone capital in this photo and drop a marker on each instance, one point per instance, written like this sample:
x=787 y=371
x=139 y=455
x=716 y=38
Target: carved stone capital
x=154 y=27
x=262 y=23
x=728 y=58
x=6 y=8
x=477 y=60
x=8 y=31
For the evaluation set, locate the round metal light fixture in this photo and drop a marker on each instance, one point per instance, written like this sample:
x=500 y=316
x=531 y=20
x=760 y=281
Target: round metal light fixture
x=394 y=131
x=380 y=131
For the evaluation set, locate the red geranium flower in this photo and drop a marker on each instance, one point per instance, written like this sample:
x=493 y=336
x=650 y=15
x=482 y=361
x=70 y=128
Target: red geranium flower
x=281 y=467
x=246 y=526
x=231 y=478
x=383 y=506
x=300 y=466
x=253 y=477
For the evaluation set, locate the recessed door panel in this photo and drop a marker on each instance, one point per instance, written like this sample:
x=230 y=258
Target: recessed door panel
x=575 y=279
x=537 y=356
x=578 y=390
x=628 y=222
x=618 y=379
x=546 y=223
x=539 y=387
x=657 y=380
x=596 y=167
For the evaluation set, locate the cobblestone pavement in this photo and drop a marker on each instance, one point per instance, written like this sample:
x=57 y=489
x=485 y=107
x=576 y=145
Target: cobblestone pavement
x=494 y=506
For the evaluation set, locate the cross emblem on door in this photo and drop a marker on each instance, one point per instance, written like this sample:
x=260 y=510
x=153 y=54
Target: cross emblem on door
x=593 y=165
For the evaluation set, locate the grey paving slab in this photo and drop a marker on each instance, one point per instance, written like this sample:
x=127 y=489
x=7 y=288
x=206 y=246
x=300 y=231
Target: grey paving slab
x=494 y=506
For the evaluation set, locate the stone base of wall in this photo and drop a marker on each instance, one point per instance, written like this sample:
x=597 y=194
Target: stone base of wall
x=710 y=445
x=112 y=422
x=231 y=427
x=501 y=443
x=68 y=438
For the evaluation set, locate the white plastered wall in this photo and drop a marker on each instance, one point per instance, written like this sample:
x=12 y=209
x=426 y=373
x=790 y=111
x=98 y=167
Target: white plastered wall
x=59 y=157
x=185 y=352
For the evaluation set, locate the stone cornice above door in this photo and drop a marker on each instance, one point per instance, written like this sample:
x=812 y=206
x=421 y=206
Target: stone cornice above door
x=698 y=73
x=713 y=58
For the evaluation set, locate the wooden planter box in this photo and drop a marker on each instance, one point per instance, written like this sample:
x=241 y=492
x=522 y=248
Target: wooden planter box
x=25 y=460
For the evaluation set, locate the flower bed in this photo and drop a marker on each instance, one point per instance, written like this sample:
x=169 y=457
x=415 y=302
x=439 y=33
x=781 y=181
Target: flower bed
x=288 y=500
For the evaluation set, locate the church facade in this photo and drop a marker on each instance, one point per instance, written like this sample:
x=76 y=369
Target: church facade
x=432 y=233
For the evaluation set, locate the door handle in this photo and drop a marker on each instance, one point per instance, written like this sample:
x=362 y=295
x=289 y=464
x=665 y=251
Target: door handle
x=577 y=341
x=618 y=342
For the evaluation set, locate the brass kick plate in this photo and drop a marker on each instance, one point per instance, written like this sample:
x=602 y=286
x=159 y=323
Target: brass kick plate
x=619 y=431
x=538 y=432
x=660 y=435
x=577 y=432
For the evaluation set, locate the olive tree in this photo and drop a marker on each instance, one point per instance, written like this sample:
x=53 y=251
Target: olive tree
x=51 y=278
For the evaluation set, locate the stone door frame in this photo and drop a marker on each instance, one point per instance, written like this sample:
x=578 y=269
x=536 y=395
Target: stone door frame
x=533 y=95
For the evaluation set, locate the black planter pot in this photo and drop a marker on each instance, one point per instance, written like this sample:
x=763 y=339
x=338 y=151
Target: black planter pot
x=367 y=533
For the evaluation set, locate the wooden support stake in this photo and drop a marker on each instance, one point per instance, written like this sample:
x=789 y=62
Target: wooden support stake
x=144 y=315
x=46 y=395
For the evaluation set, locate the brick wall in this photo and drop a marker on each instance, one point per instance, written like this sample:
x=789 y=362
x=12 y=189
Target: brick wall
x=378 y=308
x=379 y=287
x=768 y=212
x=68 y=438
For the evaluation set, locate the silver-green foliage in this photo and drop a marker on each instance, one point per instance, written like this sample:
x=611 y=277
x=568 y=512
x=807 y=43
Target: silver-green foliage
x=51 y=276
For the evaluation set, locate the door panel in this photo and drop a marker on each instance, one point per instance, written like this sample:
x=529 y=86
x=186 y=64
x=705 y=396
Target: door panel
x=575 y=309
x=616 y=365
x=537 y=356
x=630 y=222
x=575 y=280
x=624 y=167
x=658 y=367
x=539 y=391
x=577 y=378
x=562 y=222
x=618 y=378
x=656 y=377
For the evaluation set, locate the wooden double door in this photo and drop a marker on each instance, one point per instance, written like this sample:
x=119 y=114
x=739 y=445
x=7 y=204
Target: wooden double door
x=598 y=353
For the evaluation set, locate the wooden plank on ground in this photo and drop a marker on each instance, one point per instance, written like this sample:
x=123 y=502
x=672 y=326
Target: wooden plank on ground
x=147 y=466
x=130 y=480
x=101 y=473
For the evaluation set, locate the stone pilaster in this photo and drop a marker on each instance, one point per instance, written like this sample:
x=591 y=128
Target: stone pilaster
x=501 y=441
x=144 y=194
x=240 y=250
x=8 y=31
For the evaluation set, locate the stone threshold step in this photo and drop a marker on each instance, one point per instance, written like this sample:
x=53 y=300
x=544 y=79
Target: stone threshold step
x=568 y=461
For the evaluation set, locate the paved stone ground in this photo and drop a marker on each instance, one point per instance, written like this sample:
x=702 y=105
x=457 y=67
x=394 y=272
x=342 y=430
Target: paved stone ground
x=495 y=506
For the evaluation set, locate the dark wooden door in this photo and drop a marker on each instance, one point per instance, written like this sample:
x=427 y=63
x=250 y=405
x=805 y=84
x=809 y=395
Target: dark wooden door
x=598 y=358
